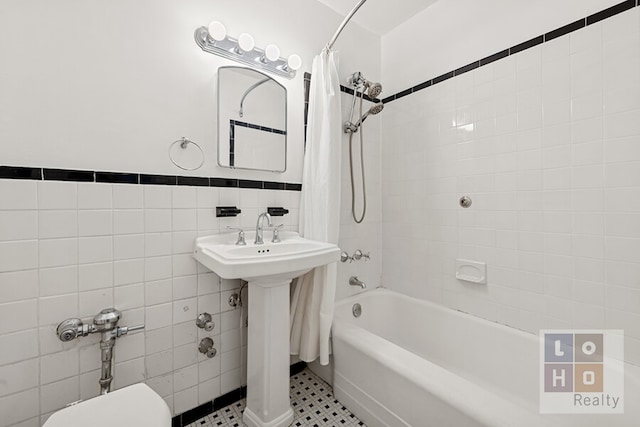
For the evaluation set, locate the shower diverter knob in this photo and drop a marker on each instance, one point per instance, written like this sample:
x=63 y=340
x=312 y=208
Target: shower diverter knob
x=204 y=321
x=205 y=346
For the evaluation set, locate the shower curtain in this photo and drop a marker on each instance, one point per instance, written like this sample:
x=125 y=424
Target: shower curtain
x=313 y=295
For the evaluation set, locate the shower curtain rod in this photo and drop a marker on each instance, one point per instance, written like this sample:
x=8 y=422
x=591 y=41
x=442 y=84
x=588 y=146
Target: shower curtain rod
x=344 y=24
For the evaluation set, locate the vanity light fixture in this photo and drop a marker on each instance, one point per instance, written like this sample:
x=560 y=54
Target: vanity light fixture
x=271 y=53
x=214 y=39
x=294 y=62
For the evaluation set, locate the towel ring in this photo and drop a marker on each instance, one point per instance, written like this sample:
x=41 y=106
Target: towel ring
x=184 y=143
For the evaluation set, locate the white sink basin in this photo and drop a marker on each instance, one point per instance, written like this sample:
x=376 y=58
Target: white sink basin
x=268 y=268
x=291 y=257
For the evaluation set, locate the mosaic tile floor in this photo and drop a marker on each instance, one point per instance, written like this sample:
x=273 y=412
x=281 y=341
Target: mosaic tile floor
x=312 y=402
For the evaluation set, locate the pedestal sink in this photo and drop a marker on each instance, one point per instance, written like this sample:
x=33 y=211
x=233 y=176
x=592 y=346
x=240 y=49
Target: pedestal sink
x=269 y=269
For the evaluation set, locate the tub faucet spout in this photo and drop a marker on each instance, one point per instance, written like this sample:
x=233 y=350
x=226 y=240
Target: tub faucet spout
x=259 y=240
x=354 y=281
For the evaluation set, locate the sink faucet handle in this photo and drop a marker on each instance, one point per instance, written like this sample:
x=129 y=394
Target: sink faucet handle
x=240 y=241
x=276 y=233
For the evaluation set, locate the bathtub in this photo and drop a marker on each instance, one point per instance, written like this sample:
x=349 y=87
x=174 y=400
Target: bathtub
x=407 y=362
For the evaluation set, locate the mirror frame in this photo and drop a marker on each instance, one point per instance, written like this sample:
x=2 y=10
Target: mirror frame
x=286 y=113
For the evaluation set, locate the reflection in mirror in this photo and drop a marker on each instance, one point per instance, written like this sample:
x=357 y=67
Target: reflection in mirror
x=252 y=120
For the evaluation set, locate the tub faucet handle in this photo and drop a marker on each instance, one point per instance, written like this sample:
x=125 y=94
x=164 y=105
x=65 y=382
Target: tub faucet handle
x=358 y=255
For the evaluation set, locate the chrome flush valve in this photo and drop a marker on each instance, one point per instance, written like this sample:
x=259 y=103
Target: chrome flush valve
x=69 y=329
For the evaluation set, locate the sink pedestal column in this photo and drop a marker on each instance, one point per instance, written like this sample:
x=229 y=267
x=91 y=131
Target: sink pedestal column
x=268 y=354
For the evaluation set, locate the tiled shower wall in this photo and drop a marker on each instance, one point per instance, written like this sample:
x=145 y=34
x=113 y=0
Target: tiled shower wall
x=70 y=249
x=546 y=142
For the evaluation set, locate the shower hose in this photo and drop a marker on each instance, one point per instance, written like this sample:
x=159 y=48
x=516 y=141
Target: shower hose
x=353 y=190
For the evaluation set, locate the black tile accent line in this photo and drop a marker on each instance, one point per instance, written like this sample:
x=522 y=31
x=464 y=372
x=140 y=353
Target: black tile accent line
x=443 y=77
x=268 y=185
x=245 y=183
x=193 y=181
x=493 y=58
x=67 y=175
x=292 y=187
x=421 y=86
x=117 y=177
x=526 y=45
x=404 y=93
x=223 y=182
x=19 y=172
x=566 y=29
x=467 y=68
x=38 y=174
x=256 y=127
x=389 y=99
x=609 y=12
x=158 y=179
x=569 y=28
x=350 y=91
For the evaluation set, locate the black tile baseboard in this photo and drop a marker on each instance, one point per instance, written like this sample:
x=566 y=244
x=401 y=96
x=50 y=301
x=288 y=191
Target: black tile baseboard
x=220 y=402
x=564 y=30
x=46 y=174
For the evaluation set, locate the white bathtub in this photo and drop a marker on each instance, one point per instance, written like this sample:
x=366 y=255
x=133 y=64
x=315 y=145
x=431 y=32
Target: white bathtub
x=406 y=362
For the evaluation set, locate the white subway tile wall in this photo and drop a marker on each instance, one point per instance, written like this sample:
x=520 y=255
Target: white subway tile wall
x=71 y=249
x=545 y=142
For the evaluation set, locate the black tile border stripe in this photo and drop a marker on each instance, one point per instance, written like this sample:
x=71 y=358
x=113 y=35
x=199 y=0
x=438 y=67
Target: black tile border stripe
x=68 y=175
x=19 y=172
x=47 y=174
x=117 y=177
x=256 y=127
x=564 y=30
x=220 y=402
x=609 y=12
x=526 y=45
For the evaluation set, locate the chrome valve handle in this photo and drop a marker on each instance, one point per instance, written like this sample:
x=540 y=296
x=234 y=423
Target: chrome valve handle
x=204 y=321
x=276 y=233
x=358 y=254
x=344 y=257
x=240 y=241
x=206 y=347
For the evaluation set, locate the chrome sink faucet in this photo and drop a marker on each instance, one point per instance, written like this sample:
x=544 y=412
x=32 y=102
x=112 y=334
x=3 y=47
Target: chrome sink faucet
x=259 y=227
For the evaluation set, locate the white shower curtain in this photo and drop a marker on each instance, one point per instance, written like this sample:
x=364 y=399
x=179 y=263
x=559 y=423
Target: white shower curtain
x=313 y=295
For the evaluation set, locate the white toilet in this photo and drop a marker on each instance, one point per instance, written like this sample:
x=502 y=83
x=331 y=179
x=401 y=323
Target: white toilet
x=136 y=405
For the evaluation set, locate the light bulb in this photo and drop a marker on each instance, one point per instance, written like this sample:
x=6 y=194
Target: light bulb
x=272 y=52
x=217 y=31
x=294 y=62
x=246 y=42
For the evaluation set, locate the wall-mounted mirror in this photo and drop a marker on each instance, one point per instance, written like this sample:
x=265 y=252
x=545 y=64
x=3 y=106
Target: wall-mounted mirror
x=252 y=120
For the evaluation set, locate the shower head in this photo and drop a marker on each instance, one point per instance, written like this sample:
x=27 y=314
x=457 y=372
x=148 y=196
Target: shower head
x=357 y=80
x=375 y=89
x=373 y=110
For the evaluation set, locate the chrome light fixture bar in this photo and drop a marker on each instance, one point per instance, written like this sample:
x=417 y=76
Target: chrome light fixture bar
x=228 y=47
